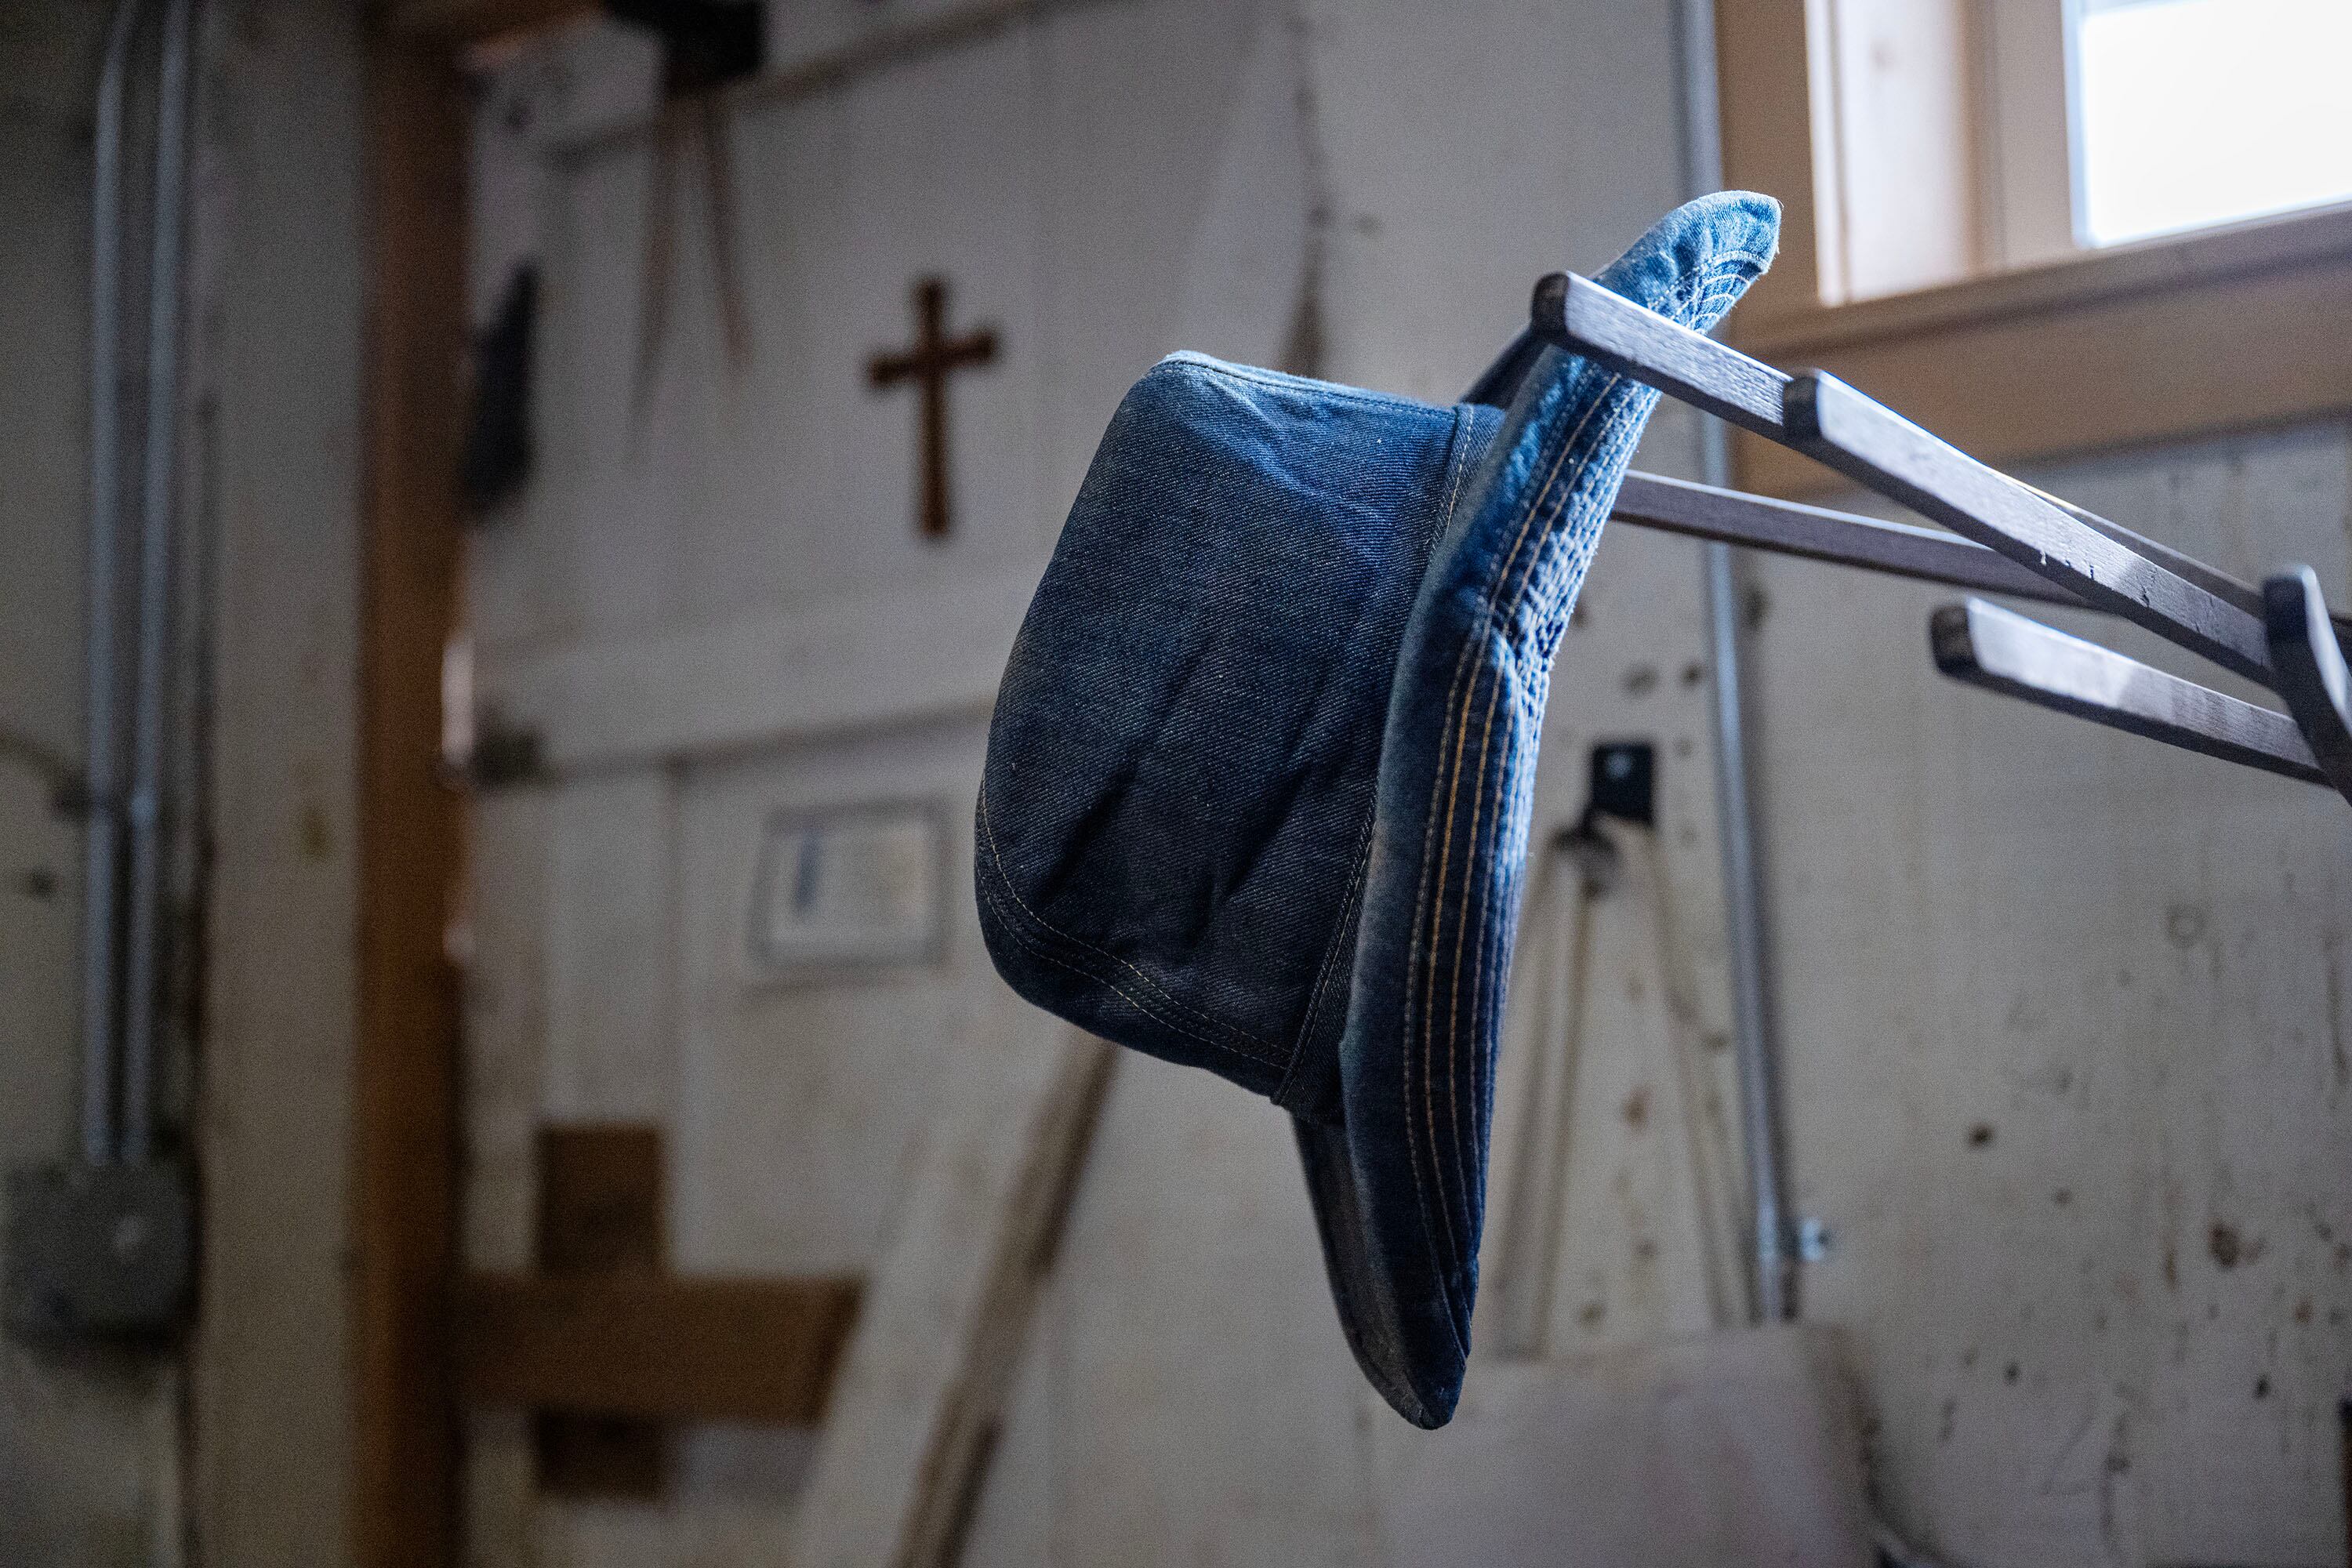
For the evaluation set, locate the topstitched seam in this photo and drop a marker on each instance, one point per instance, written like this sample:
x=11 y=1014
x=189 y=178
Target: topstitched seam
x=988 y=830
x=1700 y=287
x=1453 y=794
x=1500 y=611
x=1458 y=468
x=1012 y=930
x=1425 y=909
x=1598 y=443
x=1577 y=440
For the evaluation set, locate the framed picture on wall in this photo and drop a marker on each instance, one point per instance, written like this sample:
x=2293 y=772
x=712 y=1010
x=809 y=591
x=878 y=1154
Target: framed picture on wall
x=848 y=887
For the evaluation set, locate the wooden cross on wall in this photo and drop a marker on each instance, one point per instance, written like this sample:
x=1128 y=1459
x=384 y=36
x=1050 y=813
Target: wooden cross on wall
x=609 y=1349
x=927 y=364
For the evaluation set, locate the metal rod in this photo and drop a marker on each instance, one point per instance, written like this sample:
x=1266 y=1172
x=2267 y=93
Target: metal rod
x=142 y=962
x=101 y=841
x=1756 y=1050
x=2000 y=650
x=1788 y=528
x=1755 y=1045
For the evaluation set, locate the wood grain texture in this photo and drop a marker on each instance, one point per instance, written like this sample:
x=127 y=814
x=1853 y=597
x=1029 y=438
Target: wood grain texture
x=2064 y=1008
x=507 y=859
x=651 y=1346
x=1765 y=79
x=1736 y=1448
x=405 y=1090
x=1900 y=82
x=757 y=678
x=1985 y=646
x=2214 y=255
x=1990 y=913
x=273 y=503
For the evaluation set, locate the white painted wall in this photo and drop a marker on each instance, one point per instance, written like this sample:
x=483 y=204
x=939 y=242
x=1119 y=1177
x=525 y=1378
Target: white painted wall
x=2121 y=962
x=2114 y=1330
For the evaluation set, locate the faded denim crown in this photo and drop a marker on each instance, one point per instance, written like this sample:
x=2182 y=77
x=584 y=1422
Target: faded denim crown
x=1258 y=785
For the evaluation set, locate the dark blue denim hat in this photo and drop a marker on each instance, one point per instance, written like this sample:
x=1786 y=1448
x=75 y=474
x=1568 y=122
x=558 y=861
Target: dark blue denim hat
x=1257 y=788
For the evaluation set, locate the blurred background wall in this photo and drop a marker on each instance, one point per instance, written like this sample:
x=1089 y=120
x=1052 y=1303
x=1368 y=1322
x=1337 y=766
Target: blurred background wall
x=2063 y=1012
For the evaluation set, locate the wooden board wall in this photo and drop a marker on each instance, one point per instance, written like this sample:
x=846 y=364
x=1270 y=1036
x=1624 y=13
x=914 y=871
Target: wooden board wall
x=276 y=289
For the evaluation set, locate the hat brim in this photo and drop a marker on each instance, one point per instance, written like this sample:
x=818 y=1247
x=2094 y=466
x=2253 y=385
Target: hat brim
x=1399 y=1188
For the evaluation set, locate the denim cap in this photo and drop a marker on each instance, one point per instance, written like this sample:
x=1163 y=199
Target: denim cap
x=1257 y=786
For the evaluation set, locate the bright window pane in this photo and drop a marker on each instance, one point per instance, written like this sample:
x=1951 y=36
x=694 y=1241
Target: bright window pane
x=2205 y=111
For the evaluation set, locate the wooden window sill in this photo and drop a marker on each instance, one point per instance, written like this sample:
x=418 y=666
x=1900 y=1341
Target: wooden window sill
x=2225 y=330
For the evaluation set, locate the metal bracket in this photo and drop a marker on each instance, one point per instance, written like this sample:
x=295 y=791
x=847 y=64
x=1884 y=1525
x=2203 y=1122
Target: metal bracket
x=1815 y=1239
x=98 y=1251
x=2308 y=669
x=1624 y=782
x=498 y=754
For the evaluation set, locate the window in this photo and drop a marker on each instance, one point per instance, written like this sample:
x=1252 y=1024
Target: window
x=1963 y=138
x=2190 y=113
x=2041 y=226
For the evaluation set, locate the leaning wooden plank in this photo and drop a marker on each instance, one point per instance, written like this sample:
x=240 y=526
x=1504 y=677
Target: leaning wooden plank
x=916 y=1410
x=651 y=1345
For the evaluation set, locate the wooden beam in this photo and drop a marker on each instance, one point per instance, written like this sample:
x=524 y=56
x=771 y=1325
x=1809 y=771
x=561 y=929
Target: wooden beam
x=2212 y=259
x=601 y=1204
x=1764 y=68
x=405 y=1088
x=601 y=1198
x=653 y=1345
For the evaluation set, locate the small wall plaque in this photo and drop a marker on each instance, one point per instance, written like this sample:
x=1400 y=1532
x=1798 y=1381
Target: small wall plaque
x=848 y=887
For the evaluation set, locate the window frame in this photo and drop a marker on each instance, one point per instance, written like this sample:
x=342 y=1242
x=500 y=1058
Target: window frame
x=2224 y=329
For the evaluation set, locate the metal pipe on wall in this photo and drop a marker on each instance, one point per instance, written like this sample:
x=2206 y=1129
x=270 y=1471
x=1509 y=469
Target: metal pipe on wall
x=142 y=965
x=102 y=845
x=1755 y=1048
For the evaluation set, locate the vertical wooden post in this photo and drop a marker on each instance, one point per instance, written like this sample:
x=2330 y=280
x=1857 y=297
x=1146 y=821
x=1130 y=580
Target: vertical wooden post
x=404 y=1511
